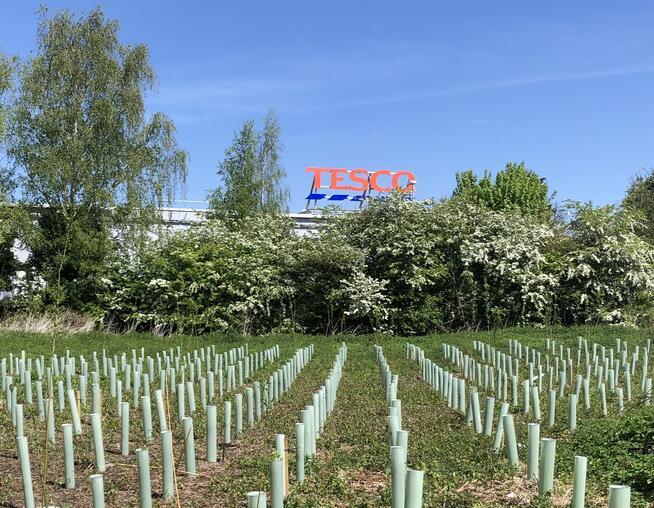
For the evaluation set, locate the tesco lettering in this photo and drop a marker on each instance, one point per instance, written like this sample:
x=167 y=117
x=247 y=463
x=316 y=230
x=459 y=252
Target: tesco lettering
x=360 y=180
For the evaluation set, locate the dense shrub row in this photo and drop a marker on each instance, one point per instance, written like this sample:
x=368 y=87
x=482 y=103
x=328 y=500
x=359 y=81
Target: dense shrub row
x=398 y=266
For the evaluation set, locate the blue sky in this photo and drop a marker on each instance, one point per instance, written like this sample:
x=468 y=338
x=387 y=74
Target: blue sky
x=432 y=87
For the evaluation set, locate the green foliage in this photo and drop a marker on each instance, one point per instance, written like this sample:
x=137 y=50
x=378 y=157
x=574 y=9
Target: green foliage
x=621 y=449
x=608 y=273
x=455 y=264
x=91 y=161
x=215 y=277
x=502 y=272
x=14 y=221
x=640 y=198
x=401 y=240
x=397 y=266
x=316 y=268
x=252 y=178
x=515 y=188
x=5 y=84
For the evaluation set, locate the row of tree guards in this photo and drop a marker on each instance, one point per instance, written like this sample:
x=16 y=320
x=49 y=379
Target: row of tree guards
x=307 y=431
x=462 y=395
x=129 y=385
x=406 y=484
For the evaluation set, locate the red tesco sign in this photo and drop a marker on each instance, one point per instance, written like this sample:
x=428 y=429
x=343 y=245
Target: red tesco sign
x=360 y=180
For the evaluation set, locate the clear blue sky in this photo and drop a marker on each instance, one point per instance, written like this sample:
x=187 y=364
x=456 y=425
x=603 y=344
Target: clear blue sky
x=434 y=87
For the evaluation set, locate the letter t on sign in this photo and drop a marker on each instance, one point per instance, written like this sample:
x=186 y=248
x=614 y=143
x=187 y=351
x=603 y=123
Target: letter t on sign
x=317 y=172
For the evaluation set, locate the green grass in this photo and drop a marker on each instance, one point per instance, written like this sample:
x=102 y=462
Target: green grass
x=352 y=467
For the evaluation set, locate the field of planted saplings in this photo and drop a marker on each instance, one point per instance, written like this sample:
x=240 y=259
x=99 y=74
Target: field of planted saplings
x=557 y=417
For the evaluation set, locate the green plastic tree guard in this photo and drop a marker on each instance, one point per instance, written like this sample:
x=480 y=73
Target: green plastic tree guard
x=525 y=396
x=26 y=472
x=190 y=396
x=238 y=400
x=402 y=439
x=20 y=421
x=551 y=408
x=119 y=397
x=277 y=483
x=499 y=431
x=161 y=410
x=619 y=496
x=510 y=439
x=579 y=482
x=535 y=402
x=189 y=446
x=393 y=427
x=476 y=414
x=124 y=429
x=257 y=400
x=572 y=412
x=306 y=421
x=98 y=442
x=256 y=499
x=212 y=434
x=97 y=490
x=50 y=420
x=398 y=476
x=299 y=451
x=546 y=469
x=69 y=465
x=145 y=486
x=413 y=492
x=250 y=403
x=72 y=402
x=619 y=400
x=167 y=465
x=488 y=416
x=146 y=410
x=533 y=444
x=228 y=423
x=397 y=404
x=648 y=391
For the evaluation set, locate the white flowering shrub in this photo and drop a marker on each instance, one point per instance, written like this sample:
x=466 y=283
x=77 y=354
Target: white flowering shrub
x=216 y=277
x=397 y=266
x=506 y=256
x=364 y=299
x=608 y=268
x=401 y=242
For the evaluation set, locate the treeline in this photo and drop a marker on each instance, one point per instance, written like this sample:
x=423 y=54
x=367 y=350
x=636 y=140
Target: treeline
x=88 y=168
x=396 y=266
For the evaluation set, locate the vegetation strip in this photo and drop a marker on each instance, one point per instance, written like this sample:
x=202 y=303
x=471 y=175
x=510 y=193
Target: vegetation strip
x=454 y=388
x=406 y=484
x=139 y=377
x=313 y=419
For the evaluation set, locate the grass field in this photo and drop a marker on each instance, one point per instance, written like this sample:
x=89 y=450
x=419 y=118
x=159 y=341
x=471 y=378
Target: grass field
x=352 y=465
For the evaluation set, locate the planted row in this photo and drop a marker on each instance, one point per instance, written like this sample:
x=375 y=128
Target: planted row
x=307 y=431
x=540 y=451
x=406 y=484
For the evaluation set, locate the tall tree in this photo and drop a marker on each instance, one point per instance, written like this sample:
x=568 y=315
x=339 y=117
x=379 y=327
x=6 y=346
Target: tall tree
x=8 y=215
x=6 y=74
x=515 y=188
x=252 y=177
x=91 y=161
x=5 y=82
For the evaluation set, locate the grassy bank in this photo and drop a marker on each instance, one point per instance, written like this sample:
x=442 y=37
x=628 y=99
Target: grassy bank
x=352 y=466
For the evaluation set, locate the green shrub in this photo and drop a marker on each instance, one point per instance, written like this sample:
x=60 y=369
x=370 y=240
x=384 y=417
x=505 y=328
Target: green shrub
x=622 y=449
